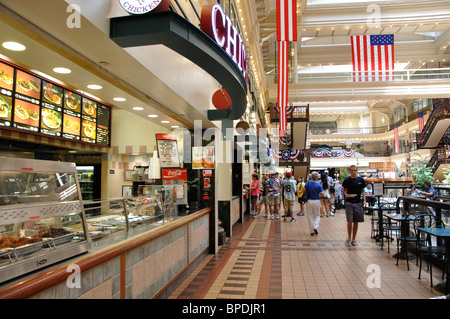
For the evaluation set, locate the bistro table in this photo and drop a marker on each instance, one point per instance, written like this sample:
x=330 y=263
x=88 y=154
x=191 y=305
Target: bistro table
x=443 y=233
x=404 y=231
x=380 y=210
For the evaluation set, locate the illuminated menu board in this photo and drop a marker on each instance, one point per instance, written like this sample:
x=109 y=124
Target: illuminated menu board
x=35 y=105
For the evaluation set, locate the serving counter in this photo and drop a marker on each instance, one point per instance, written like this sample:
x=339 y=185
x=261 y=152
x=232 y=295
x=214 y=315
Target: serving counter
x=122 y=248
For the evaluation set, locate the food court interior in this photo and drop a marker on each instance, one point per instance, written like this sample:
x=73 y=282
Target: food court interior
x=140 y=132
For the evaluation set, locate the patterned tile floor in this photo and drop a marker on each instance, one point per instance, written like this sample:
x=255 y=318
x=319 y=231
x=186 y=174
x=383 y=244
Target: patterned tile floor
x=270 y=259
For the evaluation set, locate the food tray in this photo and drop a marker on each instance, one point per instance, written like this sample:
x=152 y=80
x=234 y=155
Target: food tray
x=59 y=240
x=21 y=251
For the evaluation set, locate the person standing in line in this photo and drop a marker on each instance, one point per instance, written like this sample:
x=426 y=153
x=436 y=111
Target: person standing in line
x=370 y=199
x=273 y=195
x=300 y=191
x=290 y=189
x=263 y=201
x=331 y=191
x=324 y=207
x=315 y=192
x=338 y=195
x=254 y=194
x=354 y=208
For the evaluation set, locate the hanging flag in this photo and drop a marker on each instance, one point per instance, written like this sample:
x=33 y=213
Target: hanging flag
x=373 y=57
x=286 y=20
x=421 y=124
x=283 y=83
x=396 y=140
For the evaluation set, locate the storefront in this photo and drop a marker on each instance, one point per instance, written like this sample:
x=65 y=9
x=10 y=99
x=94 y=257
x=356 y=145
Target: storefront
x=107 y=113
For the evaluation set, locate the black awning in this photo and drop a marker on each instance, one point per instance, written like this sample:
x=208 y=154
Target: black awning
x=171 y=30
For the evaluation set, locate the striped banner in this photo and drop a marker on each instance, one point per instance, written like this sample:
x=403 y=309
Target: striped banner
x=283 y=83
x=286 y=20
x=421 y=123
x=396 y=140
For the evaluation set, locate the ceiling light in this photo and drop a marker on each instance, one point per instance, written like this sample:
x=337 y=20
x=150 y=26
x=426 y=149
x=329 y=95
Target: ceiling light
x=138 y=108
x=165 y=122
x=153 y=115
x=61 y=70
x=174 y=126
x=94 y=87
x=14 y=46
x=119 y=99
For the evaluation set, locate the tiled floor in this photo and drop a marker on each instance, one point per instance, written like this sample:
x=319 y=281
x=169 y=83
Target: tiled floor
x=276 y=259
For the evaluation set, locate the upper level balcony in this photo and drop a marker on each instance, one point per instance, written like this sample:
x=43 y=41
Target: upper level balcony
x=399 y=75
x=329 y=86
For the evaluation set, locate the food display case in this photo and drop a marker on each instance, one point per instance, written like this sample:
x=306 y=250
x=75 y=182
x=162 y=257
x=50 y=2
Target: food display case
x=131 y=215
x=165 y=196
x=42 y=218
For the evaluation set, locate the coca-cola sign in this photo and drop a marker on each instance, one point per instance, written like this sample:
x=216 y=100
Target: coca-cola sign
x=174 y=174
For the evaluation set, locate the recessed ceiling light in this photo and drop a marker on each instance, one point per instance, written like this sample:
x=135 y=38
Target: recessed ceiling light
x=174 y=126
x=94 y=87
x=153 y=115
x=138 y=108
x=61 y=70
x=119 y=99
x=165 y=122
x=14 y=46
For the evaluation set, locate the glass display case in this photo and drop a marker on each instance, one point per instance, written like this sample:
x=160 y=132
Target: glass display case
x=129 y=216
x=42 y=218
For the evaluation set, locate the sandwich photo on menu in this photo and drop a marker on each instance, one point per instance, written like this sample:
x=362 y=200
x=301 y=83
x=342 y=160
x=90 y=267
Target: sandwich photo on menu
x=27 y=84
x=71 y=125
x=6 y=76
x=26 y=113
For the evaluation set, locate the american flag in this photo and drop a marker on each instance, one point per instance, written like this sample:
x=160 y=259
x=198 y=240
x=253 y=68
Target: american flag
x=373 y=57
x=283 y=83
x=421 y=123
x=286 y=31
x=396 y=140
x=286 y=20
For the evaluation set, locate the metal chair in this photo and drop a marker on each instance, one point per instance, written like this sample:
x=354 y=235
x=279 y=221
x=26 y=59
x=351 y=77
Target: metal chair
x=425 y=246
x=388 y=226
x=407 y=239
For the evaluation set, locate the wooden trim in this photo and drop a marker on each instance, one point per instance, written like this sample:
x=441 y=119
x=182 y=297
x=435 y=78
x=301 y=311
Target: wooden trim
x=123 y=270
x=48 y=278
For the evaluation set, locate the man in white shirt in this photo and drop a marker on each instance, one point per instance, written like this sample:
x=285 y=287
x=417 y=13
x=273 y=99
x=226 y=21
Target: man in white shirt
x=290 y=189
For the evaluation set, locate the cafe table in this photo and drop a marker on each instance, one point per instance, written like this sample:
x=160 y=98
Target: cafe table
x=443 y=233
x=404 y=231
x=379 y=210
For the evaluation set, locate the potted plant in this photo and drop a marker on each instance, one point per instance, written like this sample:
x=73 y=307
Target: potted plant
x=421 y=172
x=446 y=179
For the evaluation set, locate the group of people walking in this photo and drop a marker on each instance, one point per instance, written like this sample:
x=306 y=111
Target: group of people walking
x=321 y=193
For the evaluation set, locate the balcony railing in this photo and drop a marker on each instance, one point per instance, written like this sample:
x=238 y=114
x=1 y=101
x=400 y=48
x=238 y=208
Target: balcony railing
x=349 y=131
x=295 y=113
x=402 y=75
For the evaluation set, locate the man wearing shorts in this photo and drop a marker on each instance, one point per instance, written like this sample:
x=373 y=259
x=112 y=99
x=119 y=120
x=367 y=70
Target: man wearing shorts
x=353 y=191
x=290 y=188
x=273 y=195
